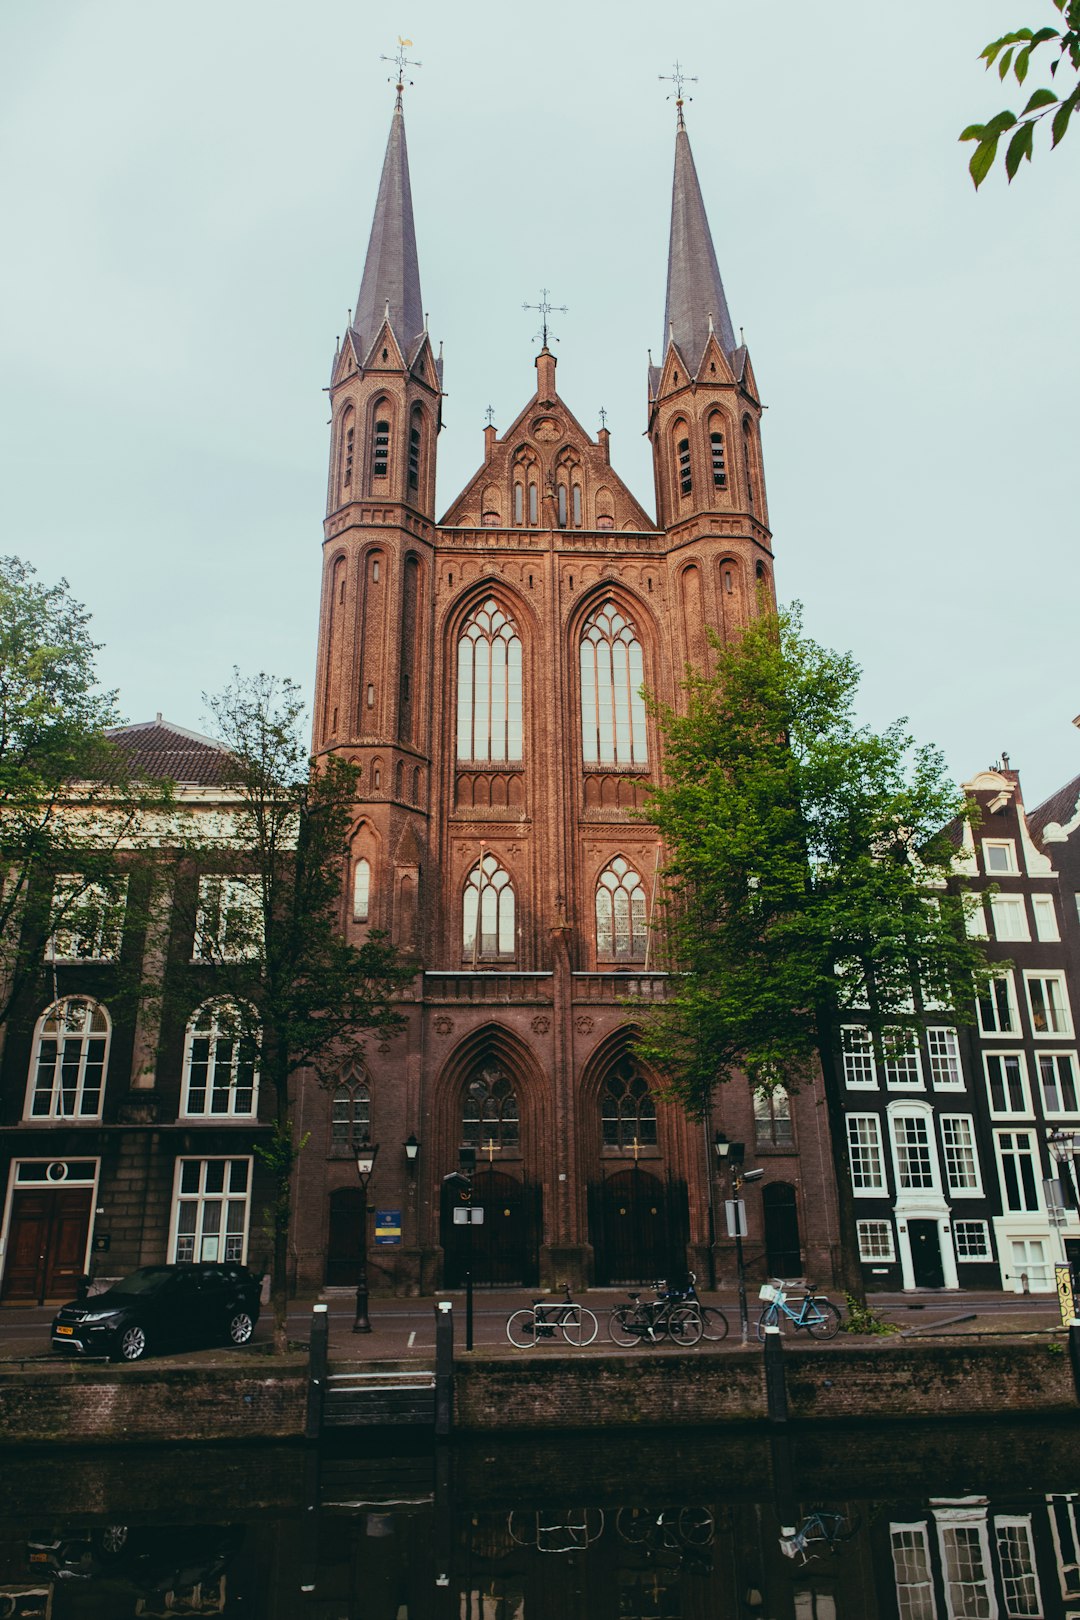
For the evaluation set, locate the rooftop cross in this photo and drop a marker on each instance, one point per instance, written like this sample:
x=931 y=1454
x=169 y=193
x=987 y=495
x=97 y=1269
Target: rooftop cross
x=545 y=309
x=678 y=77
x=490 y=414
x=603 y=417
x=402 y=62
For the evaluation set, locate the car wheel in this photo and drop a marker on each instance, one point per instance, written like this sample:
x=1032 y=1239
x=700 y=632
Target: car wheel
x=133 y=1343
x=241 y=1327
x=113 y=1540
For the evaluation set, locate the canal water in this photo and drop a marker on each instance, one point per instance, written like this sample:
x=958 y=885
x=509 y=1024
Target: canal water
x=972 y=1521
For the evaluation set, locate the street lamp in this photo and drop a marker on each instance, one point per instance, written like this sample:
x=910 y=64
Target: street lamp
x=1063 y=1145
x=412 y=1148
x=733 y=1155
x=365 y=1164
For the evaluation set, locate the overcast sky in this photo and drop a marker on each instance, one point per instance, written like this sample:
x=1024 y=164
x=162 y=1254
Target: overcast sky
x=186 y=193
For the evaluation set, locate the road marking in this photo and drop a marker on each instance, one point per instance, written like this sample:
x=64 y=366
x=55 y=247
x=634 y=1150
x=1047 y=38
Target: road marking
x=412 y=1339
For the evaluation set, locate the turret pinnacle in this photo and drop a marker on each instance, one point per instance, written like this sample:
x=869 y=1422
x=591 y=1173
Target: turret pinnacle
x=694 y=289
x=391 y=280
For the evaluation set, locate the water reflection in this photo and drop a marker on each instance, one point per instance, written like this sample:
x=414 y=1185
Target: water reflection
x=956 y=1522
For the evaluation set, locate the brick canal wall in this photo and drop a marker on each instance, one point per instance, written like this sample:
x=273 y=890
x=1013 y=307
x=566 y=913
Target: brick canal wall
x=83 y=1405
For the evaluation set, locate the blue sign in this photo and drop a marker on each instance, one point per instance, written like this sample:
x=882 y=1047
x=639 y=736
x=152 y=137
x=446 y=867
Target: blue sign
x=387 y=1226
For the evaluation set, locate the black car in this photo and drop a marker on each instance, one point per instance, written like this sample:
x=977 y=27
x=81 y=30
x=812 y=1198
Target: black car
x=160 y=1306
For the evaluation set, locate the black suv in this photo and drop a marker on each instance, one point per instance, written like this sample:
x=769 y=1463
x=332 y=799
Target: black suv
x=160 y=1306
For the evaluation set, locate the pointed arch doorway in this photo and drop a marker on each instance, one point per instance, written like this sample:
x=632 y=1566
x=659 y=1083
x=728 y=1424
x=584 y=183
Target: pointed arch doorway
x=506 y=1247
x=639 y=1227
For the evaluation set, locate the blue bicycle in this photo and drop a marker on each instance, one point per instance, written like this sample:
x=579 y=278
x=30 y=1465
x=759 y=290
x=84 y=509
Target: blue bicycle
x=817 y=1315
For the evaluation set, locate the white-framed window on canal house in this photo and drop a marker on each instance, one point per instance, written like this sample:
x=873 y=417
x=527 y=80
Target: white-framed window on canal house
x=876 y=1240
x=1016 y=1561
x=997 y=1008
x=914 y=1577
x=1065 y=1530
x=858 y=1049
x=1048 y=1004
x=1018 y=1168
x=70 y=1061
x=1006 y=1083
x=221 y=1076
x=960 y=1155
x=211 y=1205
x=971 y=1240
x=91 y=926
x=229 y=922
x=914 y=1152
x=946 y=1070
x=864 y=1148
x=965 y=1563
x=1057 y=1081
x=900 y=1050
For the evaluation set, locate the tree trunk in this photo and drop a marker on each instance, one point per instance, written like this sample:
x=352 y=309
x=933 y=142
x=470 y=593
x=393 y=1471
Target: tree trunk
x=850 y=1267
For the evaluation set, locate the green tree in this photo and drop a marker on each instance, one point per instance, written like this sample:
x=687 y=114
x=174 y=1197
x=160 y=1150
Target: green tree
x=303 y=995
x=809 y=881
x=1015 y=52
x=68 y=806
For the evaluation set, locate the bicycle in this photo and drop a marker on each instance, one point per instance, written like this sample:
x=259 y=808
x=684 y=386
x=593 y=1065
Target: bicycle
x=821 y=1531
x=543 y=1319
x=816 y=1314
x=668 y=1530
x=653 y=1319
x=714 y=1324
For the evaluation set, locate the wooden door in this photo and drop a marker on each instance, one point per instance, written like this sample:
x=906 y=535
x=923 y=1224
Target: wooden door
x=46 y=1243
x=638 y=1227
x=505 y=1250
x=347 y=1215
x=926 y=1263
x=783 y=1252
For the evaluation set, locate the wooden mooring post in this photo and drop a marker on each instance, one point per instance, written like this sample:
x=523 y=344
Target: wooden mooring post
x=444 y=1368
x=318 y=1358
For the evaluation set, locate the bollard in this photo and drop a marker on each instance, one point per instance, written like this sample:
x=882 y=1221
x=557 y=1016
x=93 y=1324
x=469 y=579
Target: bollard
x=1074 y=1353
x=444 y=1368
x=775 y=1388
x=318 y=1358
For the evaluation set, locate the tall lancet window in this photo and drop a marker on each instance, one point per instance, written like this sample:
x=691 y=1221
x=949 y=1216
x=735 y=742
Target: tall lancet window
x=620 y=913
x=489 y=686
x=612 y=708
x=488 y=924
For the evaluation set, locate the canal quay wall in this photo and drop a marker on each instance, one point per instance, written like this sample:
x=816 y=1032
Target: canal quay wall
x=80 y=1405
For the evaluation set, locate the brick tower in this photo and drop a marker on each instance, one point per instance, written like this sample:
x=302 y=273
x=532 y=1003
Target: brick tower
x=484 y=673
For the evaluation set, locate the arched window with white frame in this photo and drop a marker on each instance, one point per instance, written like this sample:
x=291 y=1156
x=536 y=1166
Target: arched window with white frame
x=70 y=1061
x=361 y=905
x=221 y=1074
x=612 y=707
x=621 y=922
x=350 y=1115
x=489 y=685
x=488 y=930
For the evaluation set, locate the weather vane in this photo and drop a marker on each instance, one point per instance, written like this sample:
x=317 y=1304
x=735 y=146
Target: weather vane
x=678 y=77
x=545 y=309
x=490 y=414
x=401 y=61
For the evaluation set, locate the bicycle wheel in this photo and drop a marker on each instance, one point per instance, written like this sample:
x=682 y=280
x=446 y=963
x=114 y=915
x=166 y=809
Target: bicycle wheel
x=635 y=1525
x=822 y=1319
x=521 y=1328
x=624 y=1326
x=714 y=1324
x=579 y=1326
x=770 y=1317
x=696 y=1526
x=684 y=1325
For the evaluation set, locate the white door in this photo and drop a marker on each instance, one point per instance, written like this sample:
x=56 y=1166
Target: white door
x=1029 y=1260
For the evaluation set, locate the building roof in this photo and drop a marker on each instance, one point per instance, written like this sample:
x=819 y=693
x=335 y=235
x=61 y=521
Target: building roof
x=157 y=748
x=391 y=269
x=694 y=288
x=1060 y=807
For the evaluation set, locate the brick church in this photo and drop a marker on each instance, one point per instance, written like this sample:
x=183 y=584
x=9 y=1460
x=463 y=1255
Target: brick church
x=483 y=672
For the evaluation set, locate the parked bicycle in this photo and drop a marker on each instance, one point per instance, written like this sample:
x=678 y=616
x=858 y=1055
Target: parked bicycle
x=821 y=1531
x=655 y=1319
x=546 y=1320
x=666 y=1529
x=714 y=1324
x=816 y=1314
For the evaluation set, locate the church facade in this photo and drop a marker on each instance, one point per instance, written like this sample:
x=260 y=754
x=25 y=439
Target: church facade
x=483 y=671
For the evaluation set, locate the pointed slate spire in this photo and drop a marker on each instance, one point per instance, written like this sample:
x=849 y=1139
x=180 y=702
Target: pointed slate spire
x=391 y=272
x=694 y=288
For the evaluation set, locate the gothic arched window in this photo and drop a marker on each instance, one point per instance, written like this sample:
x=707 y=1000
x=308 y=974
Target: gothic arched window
x=519 y=503
x=627 y=1108
x=71 y=1057
x=620 y=913
x=489 y=901
x=220 y=1062
x=490 y=1112
x=348 y=449
x=751 y=470
x=716 y=453
x=489 y=685
x=350 y=1113
x=612 y=708
x=414 y=449
x=361 y=894
x=380 y=447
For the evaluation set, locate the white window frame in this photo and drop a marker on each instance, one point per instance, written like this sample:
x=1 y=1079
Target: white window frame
x=1044 y=911
x=903 y=1114
x=614 y=722
x=620 y=907
x=1032 y=1152
x=877 y=1230
x=946 y=1059
x=924 y=1588
x=1018 y=1521
x=1010 y=918
x=361 y=902
x=228 y=921
x=964 y=1122
x=490 y=686
x=897 y=1059
x=201 y=1239
x=1008 y=846
x=879 y=1187
x=1006 y=978
x=948 y=1521
x=1055 y=977
x=1061 y=1505
x=857 y=1044
x=975 y=916
x=1020 y=1059
x=77 y=896
x=489 y=912
x=1056 y=1058
x=218 y=1033
x=57 y=1091
x=969 y=1226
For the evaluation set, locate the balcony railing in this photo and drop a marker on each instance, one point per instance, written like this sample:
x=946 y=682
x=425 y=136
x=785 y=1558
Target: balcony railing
x=487 y=986
x=618 y=987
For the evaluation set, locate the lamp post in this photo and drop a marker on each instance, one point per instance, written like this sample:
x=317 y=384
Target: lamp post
x=732 y=1155
x=412 y=1149
x=365 y=1164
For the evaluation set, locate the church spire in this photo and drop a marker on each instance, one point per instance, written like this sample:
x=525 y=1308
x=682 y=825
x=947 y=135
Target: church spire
x=391 y=280
x=694 y=289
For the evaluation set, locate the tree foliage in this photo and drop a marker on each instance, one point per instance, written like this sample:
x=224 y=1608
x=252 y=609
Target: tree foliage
x=1014 y=52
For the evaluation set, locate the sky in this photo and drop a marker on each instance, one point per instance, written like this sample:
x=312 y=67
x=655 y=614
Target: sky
x=186 y=194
